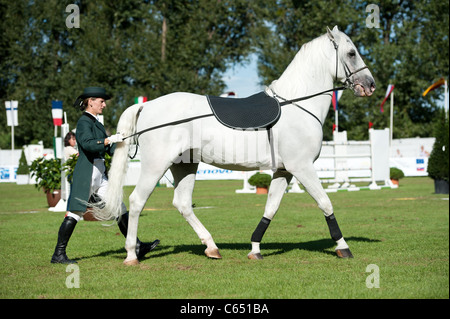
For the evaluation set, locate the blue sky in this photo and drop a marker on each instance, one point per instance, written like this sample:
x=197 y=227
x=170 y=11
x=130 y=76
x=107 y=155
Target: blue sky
x=243 y=79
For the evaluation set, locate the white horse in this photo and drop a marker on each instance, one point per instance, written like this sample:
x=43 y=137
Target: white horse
x=297 y=140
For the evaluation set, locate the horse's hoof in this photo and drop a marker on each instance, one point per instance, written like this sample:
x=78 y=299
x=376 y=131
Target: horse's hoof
x=132 y=262
x=213 y=253
x=344 y=253
x=254 y=256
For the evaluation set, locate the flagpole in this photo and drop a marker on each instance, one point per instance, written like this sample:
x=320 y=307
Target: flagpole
x=446 y=100
x=392 y=118
x=336 y=120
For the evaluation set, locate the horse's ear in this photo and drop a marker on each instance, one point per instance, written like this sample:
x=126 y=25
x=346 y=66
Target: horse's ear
x=330 y=34
x=335 y=29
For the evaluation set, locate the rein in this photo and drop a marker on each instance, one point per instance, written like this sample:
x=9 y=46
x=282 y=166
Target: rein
x=208 y=115
x=305 y=98
x=169 y=124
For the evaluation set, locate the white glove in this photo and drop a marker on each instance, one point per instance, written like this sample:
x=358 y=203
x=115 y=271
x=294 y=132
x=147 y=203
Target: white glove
x=116 y=138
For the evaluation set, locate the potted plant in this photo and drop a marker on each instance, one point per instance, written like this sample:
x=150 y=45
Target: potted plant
x=48 y=177
x=23 y=170
x=439 y=157
x=396 y=174
x=261 y=181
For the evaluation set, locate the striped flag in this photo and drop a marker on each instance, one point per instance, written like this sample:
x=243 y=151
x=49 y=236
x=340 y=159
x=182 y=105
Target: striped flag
x=336 y=96
x=140 y=99
x=11 y=113
x=389 y=90
x=57 y=113
x=434 y=86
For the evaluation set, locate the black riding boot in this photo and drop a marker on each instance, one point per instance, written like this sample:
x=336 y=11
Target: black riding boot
x=141 y=248
x=64 y=233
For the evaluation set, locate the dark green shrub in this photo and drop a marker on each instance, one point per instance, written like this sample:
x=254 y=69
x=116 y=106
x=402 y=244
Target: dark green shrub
x=23 y=168
x=396 y=173
x=260 y=180
x=438 y=161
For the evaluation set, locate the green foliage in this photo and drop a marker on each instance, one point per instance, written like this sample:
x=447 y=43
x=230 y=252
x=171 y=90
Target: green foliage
x=23 y=168
x=438 y=162
x=47 y=173
x=396 y=173
x=118 y=46
x=260 y=180
x=69 y=165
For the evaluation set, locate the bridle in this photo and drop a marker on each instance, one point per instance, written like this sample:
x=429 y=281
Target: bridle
x=348 y=84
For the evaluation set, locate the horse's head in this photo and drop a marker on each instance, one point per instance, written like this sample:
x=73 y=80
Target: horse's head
x=351 y=68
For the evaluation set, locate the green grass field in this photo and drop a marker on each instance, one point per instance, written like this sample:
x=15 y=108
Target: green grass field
x=404 y=232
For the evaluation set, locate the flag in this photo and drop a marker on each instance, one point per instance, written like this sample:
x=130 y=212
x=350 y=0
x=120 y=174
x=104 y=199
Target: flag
x=11 y=113
x=57 y=113
x=390 y=88
x=334 y=100
x=434 y=86
x=140 y=99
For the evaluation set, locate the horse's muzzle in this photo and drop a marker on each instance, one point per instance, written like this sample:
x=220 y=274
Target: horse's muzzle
x=365 y=87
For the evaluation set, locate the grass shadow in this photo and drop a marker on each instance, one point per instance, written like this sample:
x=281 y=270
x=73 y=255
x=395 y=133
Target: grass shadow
x=319 y=246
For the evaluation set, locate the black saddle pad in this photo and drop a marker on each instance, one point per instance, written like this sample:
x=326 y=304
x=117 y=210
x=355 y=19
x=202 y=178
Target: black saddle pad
x=253 y=112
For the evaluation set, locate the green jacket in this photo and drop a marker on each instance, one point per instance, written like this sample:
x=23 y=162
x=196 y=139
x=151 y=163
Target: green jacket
x=90 y=137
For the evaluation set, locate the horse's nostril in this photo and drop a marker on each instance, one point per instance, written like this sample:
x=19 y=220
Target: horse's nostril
x=372 y=86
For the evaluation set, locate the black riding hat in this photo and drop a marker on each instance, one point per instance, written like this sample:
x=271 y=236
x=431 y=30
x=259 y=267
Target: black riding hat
x=92 y=91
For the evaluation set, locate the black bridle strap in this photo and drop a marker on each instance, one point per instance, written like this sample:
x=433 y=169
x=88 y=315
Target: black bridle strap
x=309 y=96
x=169 y=124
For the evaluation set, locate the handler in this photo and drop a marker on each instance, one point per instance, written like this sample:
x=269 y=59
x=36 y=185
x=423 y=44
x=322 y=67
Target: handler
x=89 y=179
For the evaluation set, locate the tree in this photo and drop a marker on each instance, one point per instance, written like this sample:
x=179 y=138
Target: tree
x=119 y=46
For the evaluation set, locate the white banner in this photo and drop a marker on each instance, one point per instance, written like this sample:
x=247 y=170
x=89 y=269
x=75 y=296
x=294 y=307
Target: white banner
x=411 y=166
x=11 y=112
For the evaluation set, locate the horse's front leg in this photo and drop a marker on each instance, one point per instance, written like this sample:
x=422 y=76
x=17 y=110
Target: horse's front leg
x=280 y=182
x=307 y=175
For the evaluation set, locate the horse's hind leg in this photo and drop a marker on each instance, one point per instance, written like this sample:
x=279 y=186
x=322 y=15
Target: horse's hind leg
x=280 y=182
x=307 y=175
x=184 y=177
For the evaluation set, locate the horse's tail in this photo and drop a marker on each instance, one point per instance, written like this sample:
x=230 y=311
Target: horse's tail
x=111 y=206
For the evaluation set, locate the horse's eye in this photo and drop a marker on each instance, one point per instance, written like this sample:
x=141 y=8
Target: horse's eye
x=352 y=54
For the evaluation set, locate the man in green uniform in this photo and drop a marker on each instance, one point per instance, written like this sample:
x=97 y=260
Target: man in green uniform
x=89 y=179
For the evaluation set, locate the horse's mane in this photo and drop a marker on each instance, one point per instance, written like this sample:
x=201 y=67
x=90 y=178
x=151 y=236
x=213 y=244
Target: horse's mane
x=296 y=74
